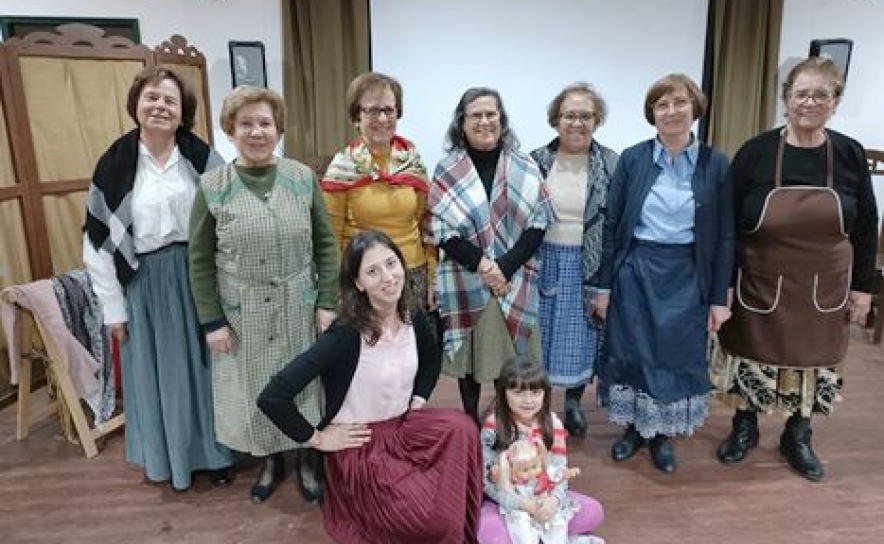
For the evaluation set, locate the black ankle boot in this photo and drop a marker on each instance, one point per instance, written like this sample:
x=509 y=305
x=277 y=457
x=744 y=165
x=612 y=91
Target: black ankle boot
x=743 y=437
x=663 y=453
x=795 y=447
x=260 y=492
x=575 y=419
x=470 y=391
x=627 y=445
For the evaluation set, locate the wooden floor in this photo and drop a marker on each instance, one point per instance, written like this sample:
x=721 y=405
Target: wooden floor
x=50 y=493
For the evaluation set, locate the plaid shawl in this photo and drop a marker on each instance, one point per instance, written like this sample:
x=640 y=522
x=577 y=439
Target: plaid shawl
x=109 y=204
x=459 y=207
x=355 y=167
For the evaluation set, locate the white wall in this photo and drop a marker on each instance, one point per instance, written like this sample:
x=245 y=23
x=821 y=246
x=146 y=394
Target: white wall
x=207 y=25
x=529 y=50
x=861 y=112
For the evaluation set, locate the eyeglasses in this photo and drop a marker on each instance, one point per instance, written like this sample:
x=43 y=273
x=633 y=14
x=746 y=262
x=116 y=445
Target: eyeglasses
x=375 y=112
x=584 y=117
x=679 y=104
x=477 y=116
x=819 y=96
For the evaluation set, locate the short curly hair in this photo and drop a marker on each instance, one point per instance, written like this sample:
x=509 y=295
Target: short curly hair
x=245 y=95
x=153 y=75
x=819 y=65
x=579 y=87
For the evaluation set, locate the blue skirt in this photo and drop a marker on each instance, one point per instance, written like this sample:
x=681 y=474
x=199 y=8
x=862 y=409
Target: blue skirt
x=569 y=339
x=167 y=388
x=657 y=371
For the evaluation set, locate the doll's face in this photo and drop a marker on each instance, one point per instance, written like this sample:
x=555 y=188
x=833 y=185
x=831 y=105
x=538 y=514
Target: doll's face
x=526 y=470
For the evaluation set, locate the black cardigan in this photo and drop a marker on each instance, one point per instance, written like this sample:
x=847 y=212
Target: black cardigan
x=334 y=358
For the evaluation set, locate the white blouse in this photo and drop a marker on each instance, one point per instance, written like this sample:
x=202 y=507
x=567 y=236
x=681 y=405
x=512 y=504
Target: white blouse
x=162 y=198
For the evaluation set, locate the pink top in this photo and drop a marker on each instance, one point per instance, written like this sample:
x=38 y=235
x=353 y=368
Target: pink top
x=384 y=379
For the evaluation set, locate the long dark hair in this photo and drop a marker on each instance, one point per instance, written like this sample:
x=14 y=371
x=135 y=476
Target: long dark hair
x=521 y=373
x=355 y=308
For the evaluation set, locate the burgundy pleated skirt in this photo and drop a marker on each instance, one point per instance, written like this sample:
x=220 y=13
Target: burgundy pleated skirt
x=419 y=480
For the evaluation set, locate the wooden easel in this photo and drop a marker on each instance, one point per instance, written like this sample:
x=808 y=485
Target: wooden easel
x=66 y=391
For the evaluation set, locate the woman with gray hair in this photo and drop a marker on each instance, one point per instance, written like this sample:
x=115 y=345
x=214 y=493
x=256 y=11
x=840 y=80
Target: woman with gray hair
x=489 y=212
x=577 y=170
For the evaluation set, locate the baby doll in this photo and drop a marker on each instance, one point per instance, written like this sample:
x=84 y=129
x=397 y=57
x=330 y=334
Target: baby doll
x=545 y=509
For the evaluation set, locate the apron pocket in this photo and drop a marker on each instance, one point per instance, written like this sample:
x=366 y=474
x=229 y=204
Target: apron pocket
x=759 y=293
x=831 y=291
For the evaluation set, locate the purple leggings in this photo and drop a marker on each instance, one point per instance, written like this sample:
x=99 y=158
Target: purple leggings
x=492 y=529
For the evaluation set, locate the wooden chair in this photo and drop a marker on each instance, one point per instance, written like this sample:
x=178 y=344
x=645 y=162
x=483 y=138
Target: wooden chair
x=67 y=393
x=876 y=168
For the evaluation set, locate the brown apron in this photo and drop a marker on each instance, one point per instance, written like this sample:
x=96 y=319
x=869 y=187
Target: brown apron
x=790 y=305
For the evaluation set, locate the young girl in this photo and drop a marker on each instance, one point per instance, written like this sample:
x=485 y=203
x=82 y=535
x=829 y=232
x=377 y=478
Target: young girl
x=522 y=411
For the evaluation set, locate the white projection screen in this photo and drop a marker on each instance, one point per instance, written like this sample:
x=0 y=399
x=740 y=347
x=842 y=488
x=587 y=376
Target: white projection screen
x=529 y=50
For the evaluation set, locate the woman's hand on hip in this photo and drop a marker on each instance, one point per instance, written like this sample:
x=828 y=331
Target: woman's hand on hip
x=341 y=436
x=859 y=305
x=221 y=340
x=324 y=318
x=717 y=316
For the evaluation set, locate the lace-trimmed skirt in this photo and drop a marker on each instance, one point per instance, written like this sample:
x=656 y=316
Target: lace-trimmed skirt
x=656 y=373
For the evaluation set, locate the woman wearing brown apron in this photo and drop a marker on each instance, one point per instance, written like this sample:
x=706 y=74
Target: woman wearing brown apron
x=807 y=238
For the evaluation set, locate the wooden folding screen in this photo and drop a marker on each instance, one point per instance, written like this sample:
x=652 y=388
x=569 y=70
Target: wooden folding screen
x=62 y=102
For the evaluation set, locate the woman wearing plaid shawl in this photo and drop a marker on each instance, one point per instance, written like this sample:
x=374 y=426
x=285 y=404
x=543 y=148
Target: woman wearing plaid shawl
x=489 y=212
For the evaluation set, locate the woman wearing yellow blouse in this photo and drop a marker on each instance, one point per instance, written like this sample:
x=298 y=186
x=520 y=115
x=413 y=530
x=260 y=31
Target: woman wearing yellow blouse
x=379 y=181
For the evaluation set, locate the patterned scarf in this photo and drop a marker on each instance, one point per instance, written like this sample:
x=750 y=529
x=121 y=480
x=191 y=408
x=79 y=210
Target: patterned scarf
x=460 y=208
x=109 y=204
x=355 y=167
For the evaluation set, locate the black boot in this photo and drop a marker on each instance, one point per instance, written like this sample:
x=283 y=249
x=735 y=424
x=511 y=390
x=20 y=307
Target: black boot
x=743 y=437
x=575 y=417
x=663 y=453
x=470 y=391
x=627 y=445
x=795 y=447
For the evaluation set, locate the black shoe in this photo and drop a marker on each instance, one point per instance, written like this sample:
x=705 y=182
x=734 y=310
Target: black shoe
x=663 y=453
x=311 y=475
x=743 y=437
x=221 y=477
x=627 y=445
x=795 y=447
x=575 y=421
x=261 y=492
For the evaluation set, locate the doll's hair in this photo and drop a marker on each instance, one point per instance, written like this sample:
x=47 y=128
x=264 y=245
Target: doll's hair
x=521 y=373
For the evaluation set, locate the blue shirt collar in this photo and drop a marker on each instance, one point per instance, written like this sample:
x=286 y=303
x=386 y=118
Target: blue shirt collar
x=691 y=151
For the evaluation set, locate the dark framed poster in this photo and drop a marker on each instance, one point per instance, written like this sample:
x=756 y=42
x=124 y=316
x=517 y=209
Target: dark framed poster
x=247 y=64
x=836 y=49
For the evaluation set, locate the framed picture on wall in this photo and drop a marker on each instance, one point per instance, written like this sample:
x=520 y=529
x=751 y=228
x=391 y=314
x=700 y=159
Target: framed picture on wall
x=19 y=27
x=836 y=49
x=247 y=65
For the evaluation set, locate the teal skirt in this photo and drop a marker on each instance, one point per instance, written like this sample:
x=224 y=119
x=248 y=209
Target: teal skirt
x=167 y=388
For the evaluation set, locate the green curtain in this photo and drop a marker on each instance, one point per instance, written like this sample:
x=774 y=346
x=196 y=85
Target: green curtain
x=746 y=53
x=325 y=45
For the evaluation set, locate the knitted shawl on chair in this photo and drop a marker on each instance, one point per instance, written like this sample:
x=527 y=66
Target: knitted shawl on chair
x=460 y=208
x=109 y=204
x=355 y=167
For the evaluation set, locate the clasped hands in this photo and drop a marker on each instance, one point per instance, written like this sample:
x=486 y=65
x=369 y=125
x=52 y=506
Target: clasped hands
x=489 y=272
